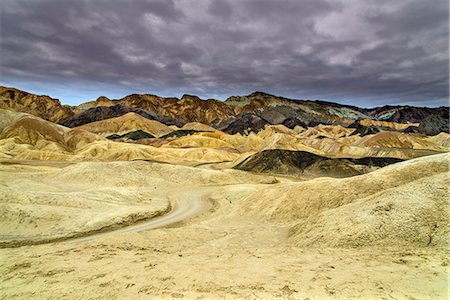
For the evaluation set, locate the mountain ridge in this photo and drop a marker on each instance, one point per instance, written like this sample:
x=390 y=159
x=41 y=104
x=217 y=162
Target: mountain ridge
x=190 y=108
x=256 y=93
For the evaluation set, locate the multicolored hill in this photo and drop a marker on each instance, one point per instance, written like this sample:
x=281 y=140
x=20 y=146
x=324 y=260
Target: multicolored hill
x=238 y=114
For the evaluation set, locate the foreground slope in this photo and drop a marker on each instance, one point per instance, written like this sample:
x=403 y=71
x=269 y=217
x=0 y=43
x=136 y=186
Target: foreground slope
x=60 y=201
x=377 y=208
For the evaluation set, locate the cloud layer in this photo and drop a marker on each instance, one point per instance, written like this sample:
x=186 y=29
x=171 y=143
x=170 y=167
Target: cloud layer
x=361 y=52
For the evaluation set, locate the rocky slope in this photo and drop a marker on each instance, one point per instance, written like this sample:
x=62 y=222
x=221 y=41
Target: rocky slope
x=41 y=106
x=169 y=111
x=99 y=113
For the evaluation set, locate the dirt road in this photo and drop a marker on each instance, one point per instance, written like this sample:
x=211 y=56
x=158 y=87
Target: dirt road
x=185 y=204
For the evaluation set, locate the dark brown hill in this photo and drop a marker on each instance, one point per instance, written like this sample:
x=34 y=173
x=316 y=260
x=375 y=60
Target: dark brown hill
x=246 y=123
x=297 y=163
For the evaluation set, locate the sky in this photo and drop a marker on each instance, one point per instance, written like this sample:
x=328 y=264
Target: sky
x=360 y=52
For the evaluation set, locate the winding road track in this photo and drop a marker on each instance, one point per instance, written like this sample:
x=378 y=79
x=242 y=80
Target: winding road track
x=187 y=203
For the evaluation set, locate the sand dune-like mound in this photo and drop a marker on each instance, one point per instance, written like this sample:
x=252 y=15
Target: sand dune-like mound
x=9 y=149
x=346 y=146
x=30 y=130
x=266 y=139
x=270 y=130
x=7 y=118
x=244 y=143
x=305 y=163
x=25 y=132
x=381 y=144
x=197 y=141
x=151 y=174
x=351 y=147
x=393 y=125
x=377 y=208
x=76 y=138
x=126 y=123
x=111 y=151
x=332 y=131
x=30 y=138
x=213 y=134
x=394 y=217
x=299 y=129
x=391 y=139
x=197 y=126
x=442 y=139
x=27 y=129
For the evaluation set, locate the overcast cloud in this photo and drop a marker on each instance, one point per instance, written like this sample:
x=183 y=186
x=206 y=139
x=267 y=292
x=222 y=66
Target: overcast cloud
x=366 y=53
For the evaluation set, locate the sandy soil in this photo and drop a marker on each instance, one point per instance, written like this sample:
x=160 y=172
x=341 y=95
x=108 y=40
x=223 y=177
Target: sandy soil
x=240 y=246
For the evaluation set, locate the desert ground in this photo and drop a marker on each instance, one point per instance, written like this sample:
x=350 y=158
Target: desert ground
x=202 y=233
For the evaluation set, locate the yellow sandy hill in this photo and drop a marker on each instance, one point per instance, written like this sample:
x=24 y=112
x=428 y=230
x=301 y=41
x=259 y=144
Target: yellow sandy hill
x=23 y=132
x=126 y=123
x=442 y=139
x=271 y=130
x=27 y=136
x=392 y=139
x=197 y=141
x=331 y=131
x=197 y=126
x=396 y=126
x=112 y=151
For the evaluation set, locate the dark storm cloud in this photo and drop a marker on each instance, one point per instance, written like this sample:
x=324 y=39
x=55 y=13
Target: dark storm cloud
x=360 y=52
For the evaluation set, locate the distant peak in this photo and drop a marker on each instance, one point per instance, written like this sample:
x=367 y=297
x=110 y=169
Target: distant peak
x=102 y=99
x=260 y=94
x=189 y=97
